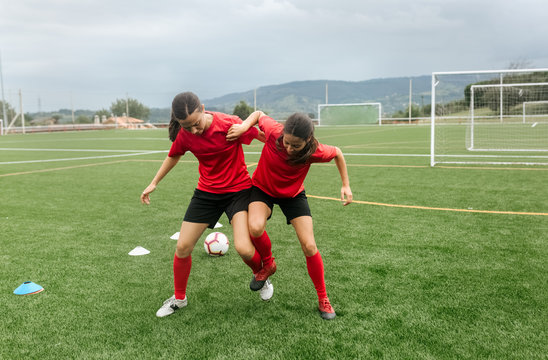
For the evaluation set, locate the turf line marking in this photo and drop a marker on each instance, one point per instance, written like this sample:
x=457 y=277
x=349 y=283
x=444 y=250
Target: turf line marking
x=437 y=166
x=434 y=208
x=87 y=165
x=63 y=168
x=78 y=158
x=73 y=150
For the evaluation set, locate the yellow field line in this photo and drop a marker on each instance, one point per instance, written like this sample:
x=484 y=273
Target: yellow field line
x=314 y=196
x=433 y=208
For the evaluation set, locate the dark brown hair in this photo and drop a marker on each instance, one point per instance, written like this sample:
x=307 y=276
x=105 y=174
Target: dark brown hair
x=183 y=105
x=301 y=126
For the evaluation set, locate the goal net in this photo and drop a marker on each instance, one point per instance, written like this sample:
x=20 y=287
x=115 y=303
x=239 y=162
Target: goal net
x=490 y=117
x=349 y=114
x=497 y=125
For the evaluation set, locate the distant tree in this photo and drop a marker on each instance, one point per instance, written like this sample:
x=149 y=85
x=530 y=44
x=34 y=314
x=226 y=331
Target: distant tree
x=242 y=110
x=103 y=112
x=415 y=112
x=83 y=119
x=136 y=109
x=10 y=112
x=520 y=64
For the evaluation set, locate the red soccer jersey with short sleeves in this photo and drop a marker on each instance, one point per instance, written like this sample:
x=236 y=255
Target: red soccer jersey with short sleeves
x=222 y=165
x=274 y=175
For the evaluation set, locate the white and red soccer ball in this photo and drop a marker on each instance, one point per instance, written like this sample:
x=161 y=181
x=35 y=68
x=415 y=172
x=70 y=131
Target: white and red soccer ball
x=216 y=244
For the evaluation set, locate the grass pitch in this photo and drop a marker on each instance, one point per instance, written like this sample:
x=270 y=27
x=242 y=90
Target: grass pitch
x=429 y=263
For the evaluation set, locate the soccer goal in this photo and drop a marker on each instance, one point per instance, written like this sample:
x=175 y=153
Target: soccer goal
x=349 y=114
x=490 y=117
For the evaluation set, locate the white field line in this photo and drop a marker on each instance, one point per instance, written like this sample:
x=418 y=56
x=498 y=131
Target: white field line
x=73 y=150
x=351 y=154
x=81 y=158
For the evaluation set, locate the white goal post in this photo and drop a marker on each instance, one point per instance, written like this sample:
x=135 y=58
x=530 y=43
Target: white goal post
x=489 y=117
x=350 y=114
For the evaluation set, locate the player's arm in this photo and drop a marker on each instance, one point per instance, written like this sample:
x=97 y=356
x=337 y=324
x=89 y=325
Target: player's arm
x=237 y=130
x=345 y=189
x=167 y=165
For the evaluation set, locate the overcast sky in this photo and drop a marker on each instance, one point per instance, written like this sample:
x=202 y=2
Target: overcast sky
x=89 y=52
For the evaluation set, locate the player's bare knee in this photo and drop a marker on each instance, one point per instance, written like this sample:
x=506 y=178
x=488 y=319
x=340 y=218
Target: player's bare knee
x=310 y=249
x=244 y=250
x=182 y=251
x=256 y=228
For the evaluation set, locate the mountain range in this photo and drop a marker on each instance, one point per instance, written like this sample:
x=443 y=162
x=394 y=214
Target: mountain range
x=281 y=100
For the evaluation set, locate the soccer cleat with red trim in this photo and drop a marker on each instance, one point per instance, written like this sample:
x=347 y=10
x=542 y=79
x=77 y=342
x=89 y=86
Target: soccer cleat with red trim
x=326 y=310
x=259 y=279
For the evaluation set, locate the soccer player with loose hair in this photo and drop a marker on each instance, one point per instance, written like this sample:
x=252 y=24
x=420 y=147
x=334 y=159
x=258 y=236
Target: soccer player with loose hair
x=286 y=157
x=224 y=185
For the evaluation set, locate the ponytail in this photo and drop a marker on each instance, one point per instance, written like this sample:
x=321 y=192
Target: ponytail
x=174 y=128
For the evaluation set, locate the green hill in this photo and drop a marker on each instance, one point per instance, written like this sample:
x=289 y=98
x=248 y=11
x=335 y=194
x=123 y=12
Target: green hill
x=284 y=99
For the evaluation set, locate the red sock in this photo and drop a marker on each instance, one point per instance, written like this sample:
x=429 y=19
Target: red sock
x=264 y=247
x=181 y=272
x=254 y=263
x=314 y=264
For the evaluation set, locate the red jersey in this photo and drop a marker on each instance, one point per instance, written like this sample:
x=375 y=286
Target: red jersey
x=274 y=175
x=222 y=165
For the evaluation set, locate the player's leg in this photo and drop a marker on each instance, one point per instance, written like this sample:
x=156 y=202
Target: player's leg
x=259 y=212
x=247 y=251
x=305 y=232
x=182 y=263
x=242 y=242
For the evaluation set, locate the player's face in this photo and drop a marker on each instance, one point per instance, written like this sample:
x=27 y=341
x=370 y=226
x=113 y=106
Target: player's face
x=194 y=123
x=293 y=144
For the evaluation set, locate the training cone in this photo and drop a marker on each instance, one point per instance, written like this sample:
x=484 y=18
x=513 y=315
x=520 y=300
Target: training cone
x=175 y=236
x=218 y=225
x=28 y=288
x=139 y=250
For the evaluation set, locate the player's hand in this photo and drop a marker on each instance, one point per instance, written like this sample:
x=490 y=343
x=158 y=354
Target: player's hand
x=346 y=193
x=145 y=198
x=235 y=131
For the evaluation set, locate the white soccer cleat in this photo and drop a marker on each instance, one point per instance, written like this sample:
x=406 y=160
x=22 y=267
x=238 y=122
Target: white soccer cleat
x=170 y=305
x=267 y=290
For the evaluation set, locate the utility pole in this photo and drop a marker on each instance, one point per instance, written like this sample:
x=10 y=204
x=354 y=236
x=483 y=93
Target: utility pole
x=410 y=96
x=4 y=113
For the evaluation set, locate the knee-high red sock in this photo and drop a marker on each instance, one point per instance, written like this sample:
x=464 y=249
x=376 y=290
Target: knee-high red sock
x=254 y=263
x=314 y=264
x=181 y=272
x=264 y=247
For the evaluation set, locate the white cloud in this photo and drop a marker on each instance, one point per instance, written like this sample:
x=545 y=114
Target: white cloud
x=213 y=47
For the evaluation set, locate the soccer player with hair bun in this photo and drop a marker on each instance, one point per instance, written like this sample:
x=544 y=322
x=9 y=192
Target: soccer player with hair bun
x=286 y=157
x=224 y=185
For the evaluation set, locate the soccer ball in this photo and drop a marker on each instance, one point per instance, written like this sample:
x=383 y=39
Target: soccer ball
x=216 y=244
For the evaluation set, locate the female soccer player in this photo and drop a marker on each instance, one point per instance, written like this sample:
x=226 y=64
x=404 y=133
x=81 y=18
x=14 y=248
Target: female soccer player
x=286 y=157
x=224 y=186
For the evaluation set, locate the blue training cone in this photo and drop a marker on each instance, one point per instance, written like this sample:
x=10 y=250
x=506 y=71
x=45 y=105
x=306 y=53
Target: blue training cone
x=28 y=288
